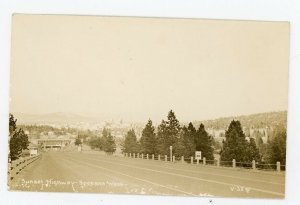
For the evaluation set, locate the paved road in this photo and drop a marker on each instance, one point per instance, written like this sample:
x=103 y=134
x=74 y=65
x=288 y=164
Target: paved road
x=98 y=173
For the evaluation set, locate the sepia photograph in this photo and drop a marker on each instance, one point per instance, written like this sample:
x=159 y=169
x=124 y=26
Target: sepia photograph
x=148 y=106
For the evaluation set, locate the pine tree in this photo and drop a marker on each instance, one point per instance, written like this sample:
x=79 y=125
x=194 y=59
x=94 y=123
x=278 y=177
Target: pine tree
x=95 y=143
x=108 y=142
x=253 y=152
x=173 y=127
x=204 y=143
x=18 y=140
x=131 y=144
x=185 y=144
x=148 y=139
x=78 y=141
x=161 y=146
x=235 y=145
x=276 y=150
x=168 y=133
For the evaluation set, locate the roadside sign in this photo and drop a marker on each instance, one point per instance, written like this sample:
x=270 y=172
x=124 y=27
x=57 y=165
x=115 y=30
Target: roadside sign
x=198 y=155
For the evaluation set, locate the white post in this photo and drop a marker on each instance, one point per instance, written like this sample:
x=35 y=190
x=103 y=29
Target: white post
x=159 y=157
x=138 y=155
x=218 y=162
x=147 y=156
x=142 y=155
x=166 y=158
x=130 y=155
x=152 y=156
x=182 y=159
x=204 y=161
x=171 y=153
x=253 y=164
x=197 y=161
x=173 y=159
x=233 y=163
x=278 y=166
x=192 y=160
x=133 y=155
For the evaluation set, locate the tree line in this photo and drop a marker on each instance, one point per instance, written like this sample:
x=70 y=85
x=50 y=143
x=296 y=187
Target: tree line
x=185 y=140
x=104 y=143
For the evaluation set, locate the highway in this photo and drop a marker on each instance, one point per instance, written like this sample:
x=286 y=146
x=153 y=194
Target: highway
x=91 y=172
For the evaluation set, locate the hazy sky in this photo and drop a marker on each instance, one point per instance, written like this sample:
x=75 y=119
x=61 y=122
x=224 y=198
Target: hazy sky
x=140 y=68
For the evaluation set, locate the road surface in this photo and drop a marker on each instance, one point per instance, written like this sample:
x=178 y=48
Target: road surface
x=98 y=173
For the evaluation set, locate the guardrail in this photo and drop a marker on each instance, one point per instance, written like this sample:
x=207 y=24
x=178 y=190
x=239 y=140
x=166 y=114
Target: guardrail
x=16 y=166
x=233 y=164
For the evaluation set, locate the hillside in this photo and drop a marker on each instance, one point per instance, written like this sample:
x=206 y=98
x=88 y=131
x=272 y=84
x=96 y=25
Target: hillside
x=260 y=120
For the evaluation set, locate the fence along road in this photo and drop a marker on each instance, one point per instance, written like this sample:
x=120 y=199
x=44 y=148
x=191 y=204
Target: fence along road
x=98 y=173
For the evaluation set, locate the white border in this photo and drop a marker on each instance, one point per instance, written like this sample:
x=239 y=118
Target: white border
x=267 y=10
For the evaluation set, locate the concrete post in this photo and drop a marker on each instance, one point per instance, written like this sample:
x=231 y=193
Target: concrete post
x=233 y=163
x=133 y=155
x=147 y=156
x=204 y=161
x=138 y=155
x=278 y=166
x=142 y=155
x=152 y=156
x=197 y=161
x=182 y=159
x=171 y=148
x=159 y=157
x=130 y=155
x=166 y=158
x=173 y=159
x=218 y=162
x=192 y=160
x=253 y=164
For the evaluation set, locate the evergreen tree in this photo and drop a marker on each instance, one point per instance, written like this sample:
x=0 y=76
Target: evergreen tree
x=148 y=139
x=95 y=143
x=204 y=143
x=131 y=144
x=105 y=132
x=108 y=142
x=185 y=144
x=78 y=141
x=168 y=133
x=276 y=150
x=253 y=151
x=18 y=140
x=235 y=145
x=161 y=139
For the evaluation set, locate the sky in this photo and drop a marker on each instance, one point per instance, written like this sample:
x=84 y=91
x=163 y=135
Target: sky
x=140 y=68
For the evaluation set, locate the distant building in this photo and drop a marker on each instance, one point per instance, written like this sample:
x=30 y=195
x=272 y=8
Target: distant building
x=53 y=144
x=33 y=149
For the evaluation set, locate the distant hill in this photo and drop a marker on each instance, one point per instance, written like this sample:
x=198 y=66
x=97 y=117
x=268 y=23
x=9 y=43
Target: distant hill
x=260 y=120
x=58 y=118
